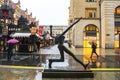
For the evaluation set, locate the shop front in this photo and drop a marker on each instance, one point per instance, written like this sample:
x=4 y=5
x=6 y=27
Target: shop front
x=26 y=42
x=91 y=34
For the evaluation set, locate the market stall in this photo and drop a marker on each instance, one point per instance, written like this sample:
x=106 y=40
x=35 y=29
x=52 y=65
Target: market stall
x=27 y=42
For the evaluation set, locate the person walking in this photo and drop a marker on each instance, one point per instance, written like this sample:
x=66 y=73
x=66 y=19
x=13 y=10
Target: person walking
x=94 y=47
x=10 y=51
x=63 y=49
x=69 y=43
x=38 y=44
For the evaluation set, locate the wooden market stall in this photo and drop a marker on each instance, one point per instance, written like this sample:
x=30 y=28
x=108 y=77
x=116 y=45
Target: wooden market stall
x=26 y=42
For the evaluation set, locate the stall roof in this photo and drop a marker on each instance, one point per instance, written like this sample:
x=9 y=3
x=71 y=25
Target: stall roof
x=22 y=35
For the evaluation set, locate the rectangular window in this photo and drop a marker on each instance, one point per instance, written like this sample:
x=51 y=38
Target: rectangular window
x=94 y=14
x=90 y=0
x=90 y=12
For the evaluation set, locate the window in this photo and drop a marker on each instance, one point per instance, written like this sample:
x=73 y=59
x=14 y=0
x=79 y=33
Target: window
x=91 y=28
x=90 y=0
x=117 y=12
x=90 y=12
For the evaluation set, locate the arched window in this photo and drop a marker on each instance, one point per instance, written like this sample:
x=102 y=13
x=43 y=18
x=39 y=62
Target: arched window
x=117 y=11
x=91 y=28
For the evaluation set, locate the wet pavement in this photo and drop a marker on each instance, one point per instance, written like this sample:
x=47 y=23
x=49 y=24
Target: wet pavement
x=18 y=73
x=108 y=59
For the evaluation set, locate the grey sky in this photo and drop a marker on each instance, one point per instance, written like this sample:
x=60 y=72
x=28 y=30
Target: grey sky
x=48 y=12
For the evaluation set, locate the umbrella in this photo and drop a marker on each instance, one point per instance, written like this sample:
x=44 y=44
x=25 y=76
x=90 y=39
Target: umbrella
x=13 y=41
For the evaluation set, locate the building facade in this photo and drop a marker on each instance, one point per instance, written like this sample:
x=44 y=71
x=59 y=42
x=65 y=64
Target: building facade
x=100 y=23
x=56 y=30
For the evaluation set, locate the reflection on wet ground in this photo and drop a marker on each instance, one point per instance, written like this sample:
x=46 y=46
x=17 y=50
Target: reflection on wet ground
x=108 y=58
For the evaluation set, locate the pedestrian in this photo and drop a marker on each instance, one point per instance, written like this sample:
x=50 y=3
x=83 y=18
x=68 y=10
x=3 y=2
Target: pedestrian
x=94 y=47
x=38 y=44
x=10 y=51
x=69 y=43
x=63 y=49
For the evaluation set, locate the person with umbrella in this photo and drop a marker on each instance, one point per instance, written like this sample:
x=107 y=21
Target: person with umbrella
x=94 y=47
x=10 y=51
x=11 y=43
x=38 y=44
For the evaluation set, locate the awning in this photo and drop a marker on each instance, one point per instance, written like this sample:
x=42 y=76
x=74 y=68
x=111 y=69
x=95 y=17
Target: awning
x=22 y=35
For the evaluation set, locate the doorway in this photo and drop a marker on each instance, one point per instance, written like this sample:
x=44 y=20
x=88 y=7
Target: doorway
x=91 y=34
x=117 y=27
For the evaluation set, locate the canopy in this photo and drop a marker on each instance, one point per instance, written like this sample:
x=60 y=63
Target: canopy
x=22 y=35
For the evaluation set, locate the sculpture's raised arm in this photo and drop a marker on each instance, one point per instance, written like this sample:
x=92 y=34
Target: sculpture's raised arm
x=59 y=36
x=70 y=27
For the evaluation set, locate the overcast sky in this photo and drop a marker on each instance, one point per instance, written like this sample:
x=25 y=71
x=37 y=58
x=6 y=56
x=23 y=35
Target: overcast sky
x=48 y=12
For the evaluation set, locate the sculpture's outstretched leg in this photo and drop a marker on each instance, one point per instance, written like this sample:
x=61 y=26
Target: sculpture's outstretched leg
x=62 y=48
x=74 y=57
x=54 y=60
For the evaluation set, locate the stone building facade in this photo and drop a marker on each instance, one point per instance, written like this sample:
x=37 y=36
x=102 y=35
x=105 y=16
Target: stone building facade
x=100 y=23
x=56 y=30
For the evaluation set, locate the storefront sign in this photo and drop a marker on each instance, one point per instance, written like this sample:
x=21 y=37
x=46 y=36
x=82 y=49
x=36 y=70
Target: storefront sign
x=40 y=30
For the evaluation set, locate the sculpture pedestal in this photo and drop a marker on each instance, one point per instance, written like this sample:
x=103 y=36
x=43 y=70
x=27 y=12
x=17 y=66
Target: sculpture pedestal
x=59 y=73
